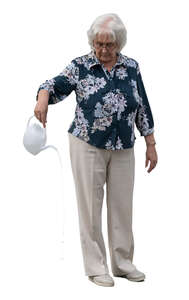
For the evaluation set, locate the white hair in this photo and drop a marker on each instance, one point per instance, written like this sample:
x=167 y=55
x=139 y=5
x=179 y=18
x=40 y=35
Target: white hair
x=111 y=24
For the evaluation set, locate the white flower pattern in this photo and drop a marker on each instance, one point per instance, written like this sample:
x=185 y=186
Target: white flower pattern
x=88 y=86
x=121 y=73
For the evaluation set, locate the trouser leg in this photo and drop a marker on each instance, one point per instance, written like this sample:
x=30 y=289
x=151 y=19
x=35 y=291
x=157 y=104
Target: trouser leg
x=119 y=192
x=89 y=173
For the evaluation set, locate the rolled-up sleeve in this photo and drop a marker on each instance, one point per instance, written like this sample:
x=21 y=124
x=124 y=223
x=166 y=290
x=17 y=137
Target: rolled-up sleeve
x=144 y=119
x=61 y=86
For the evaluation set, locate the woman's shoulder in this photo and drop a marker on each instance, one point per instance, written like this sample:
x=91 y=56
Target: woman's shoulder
x=130 y=61
x=83 y=57
x=85 y=60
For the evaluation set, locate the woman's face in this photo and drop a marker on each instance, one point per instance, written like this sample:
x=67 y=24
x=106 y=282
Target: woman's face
x=105 y=48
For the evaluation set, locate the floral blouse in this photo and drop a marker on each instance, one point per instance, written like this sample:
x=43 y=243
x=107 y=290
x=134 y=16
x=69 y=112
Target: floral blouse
x=108 y=104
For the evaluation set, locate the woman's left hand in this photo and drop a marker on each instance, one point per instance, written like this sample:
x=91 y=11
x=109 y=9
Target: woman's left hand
x=151 y=155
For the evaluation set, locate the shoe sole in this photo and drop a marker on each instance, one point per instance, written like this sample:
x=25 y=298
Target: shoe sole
x=139 y=279
x=101 y=284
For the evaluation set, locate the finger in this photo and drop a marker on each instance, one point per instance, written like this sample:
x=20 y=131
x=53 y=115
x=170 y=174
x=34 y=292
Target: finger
x=146 y=163
x=152 y=166
x=43 y=118
x=38 y=116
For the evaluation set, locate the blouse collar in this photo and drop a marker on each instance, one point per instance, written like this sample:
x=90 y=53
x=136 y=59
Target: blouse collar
x=93 y=60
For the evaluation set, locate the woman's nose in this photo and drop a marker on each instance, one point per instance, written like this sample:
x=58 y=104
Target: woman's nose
x=104 y=50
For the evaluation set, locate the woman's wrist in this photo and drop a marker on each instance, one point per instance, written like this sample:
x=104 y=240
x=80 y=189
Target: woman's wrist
x=151 y=144
x=43 y=96
x=150 y=140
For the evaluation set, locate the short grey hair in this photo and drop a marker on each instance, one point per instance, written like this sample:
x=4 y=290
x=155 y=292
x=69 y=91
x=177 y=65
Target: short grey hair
x=111 y=24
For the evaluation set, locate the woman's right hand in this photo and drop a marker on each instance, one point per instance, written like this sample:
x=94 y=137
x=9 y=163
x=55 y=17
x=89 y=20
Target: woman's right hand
x=40 y=112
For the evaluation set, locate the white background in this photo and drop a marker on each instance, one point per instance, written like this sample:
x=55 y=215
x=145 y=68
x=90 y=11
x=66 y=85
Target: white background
x=38 y=39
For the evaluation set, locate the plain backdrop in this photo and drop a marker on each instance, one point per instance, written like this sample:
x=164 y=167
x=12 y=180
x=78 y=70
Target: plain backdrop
x=40 y=251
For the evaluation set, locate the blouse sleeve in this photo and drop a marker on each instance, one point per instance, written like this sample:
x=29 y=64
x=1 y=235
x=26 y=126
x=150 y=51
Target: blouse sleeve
x=61 y=86
x=144 y=118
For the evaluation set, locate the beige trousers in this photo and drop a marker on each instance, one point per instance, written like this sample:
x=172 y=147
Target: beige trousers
x=92 y=167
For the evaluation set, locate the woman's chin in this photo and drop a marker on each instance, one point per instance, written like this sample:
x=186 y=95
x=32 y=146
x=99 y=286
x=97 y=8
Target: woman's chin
x=104 y=58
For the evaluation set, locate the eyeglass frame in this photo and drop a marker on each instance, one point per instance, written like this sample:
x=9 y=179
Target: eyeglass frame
x=113 y=45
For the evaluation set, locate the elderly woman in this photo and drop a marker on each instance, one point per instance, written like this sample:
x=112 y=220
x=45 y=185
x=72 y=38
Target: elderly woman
x=111 y=99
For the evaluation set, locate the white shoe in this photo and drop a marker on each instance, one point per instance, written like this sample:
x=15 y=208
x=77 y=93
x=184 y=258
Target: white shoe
x=135 y=275
x=103 y=280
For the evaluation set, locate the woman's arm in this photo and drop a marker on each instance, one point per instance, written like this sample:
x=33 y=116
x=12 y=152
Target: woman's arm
x=60 y=86
x=144 y=118
x=150 y=140
x=43 y=96
x=41 y=107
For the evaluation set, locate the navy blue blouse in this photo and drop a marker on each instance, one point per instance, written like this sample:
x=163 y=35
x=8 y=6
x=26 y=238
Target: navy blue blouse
x=109 y=104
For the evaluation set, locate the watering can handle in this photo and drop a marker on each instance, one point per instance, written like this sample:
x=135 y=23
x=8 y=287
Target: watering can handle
x=30 y=119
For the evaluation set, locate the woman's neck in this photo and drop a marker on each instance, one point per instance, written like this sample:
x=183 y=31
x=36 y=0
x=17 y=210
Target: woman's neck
x=108 y=65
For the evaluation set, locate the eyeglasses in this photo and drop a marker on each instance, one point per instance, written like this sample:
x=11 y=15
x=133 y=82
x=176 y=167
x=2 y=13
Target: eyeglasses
x=109 y=46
